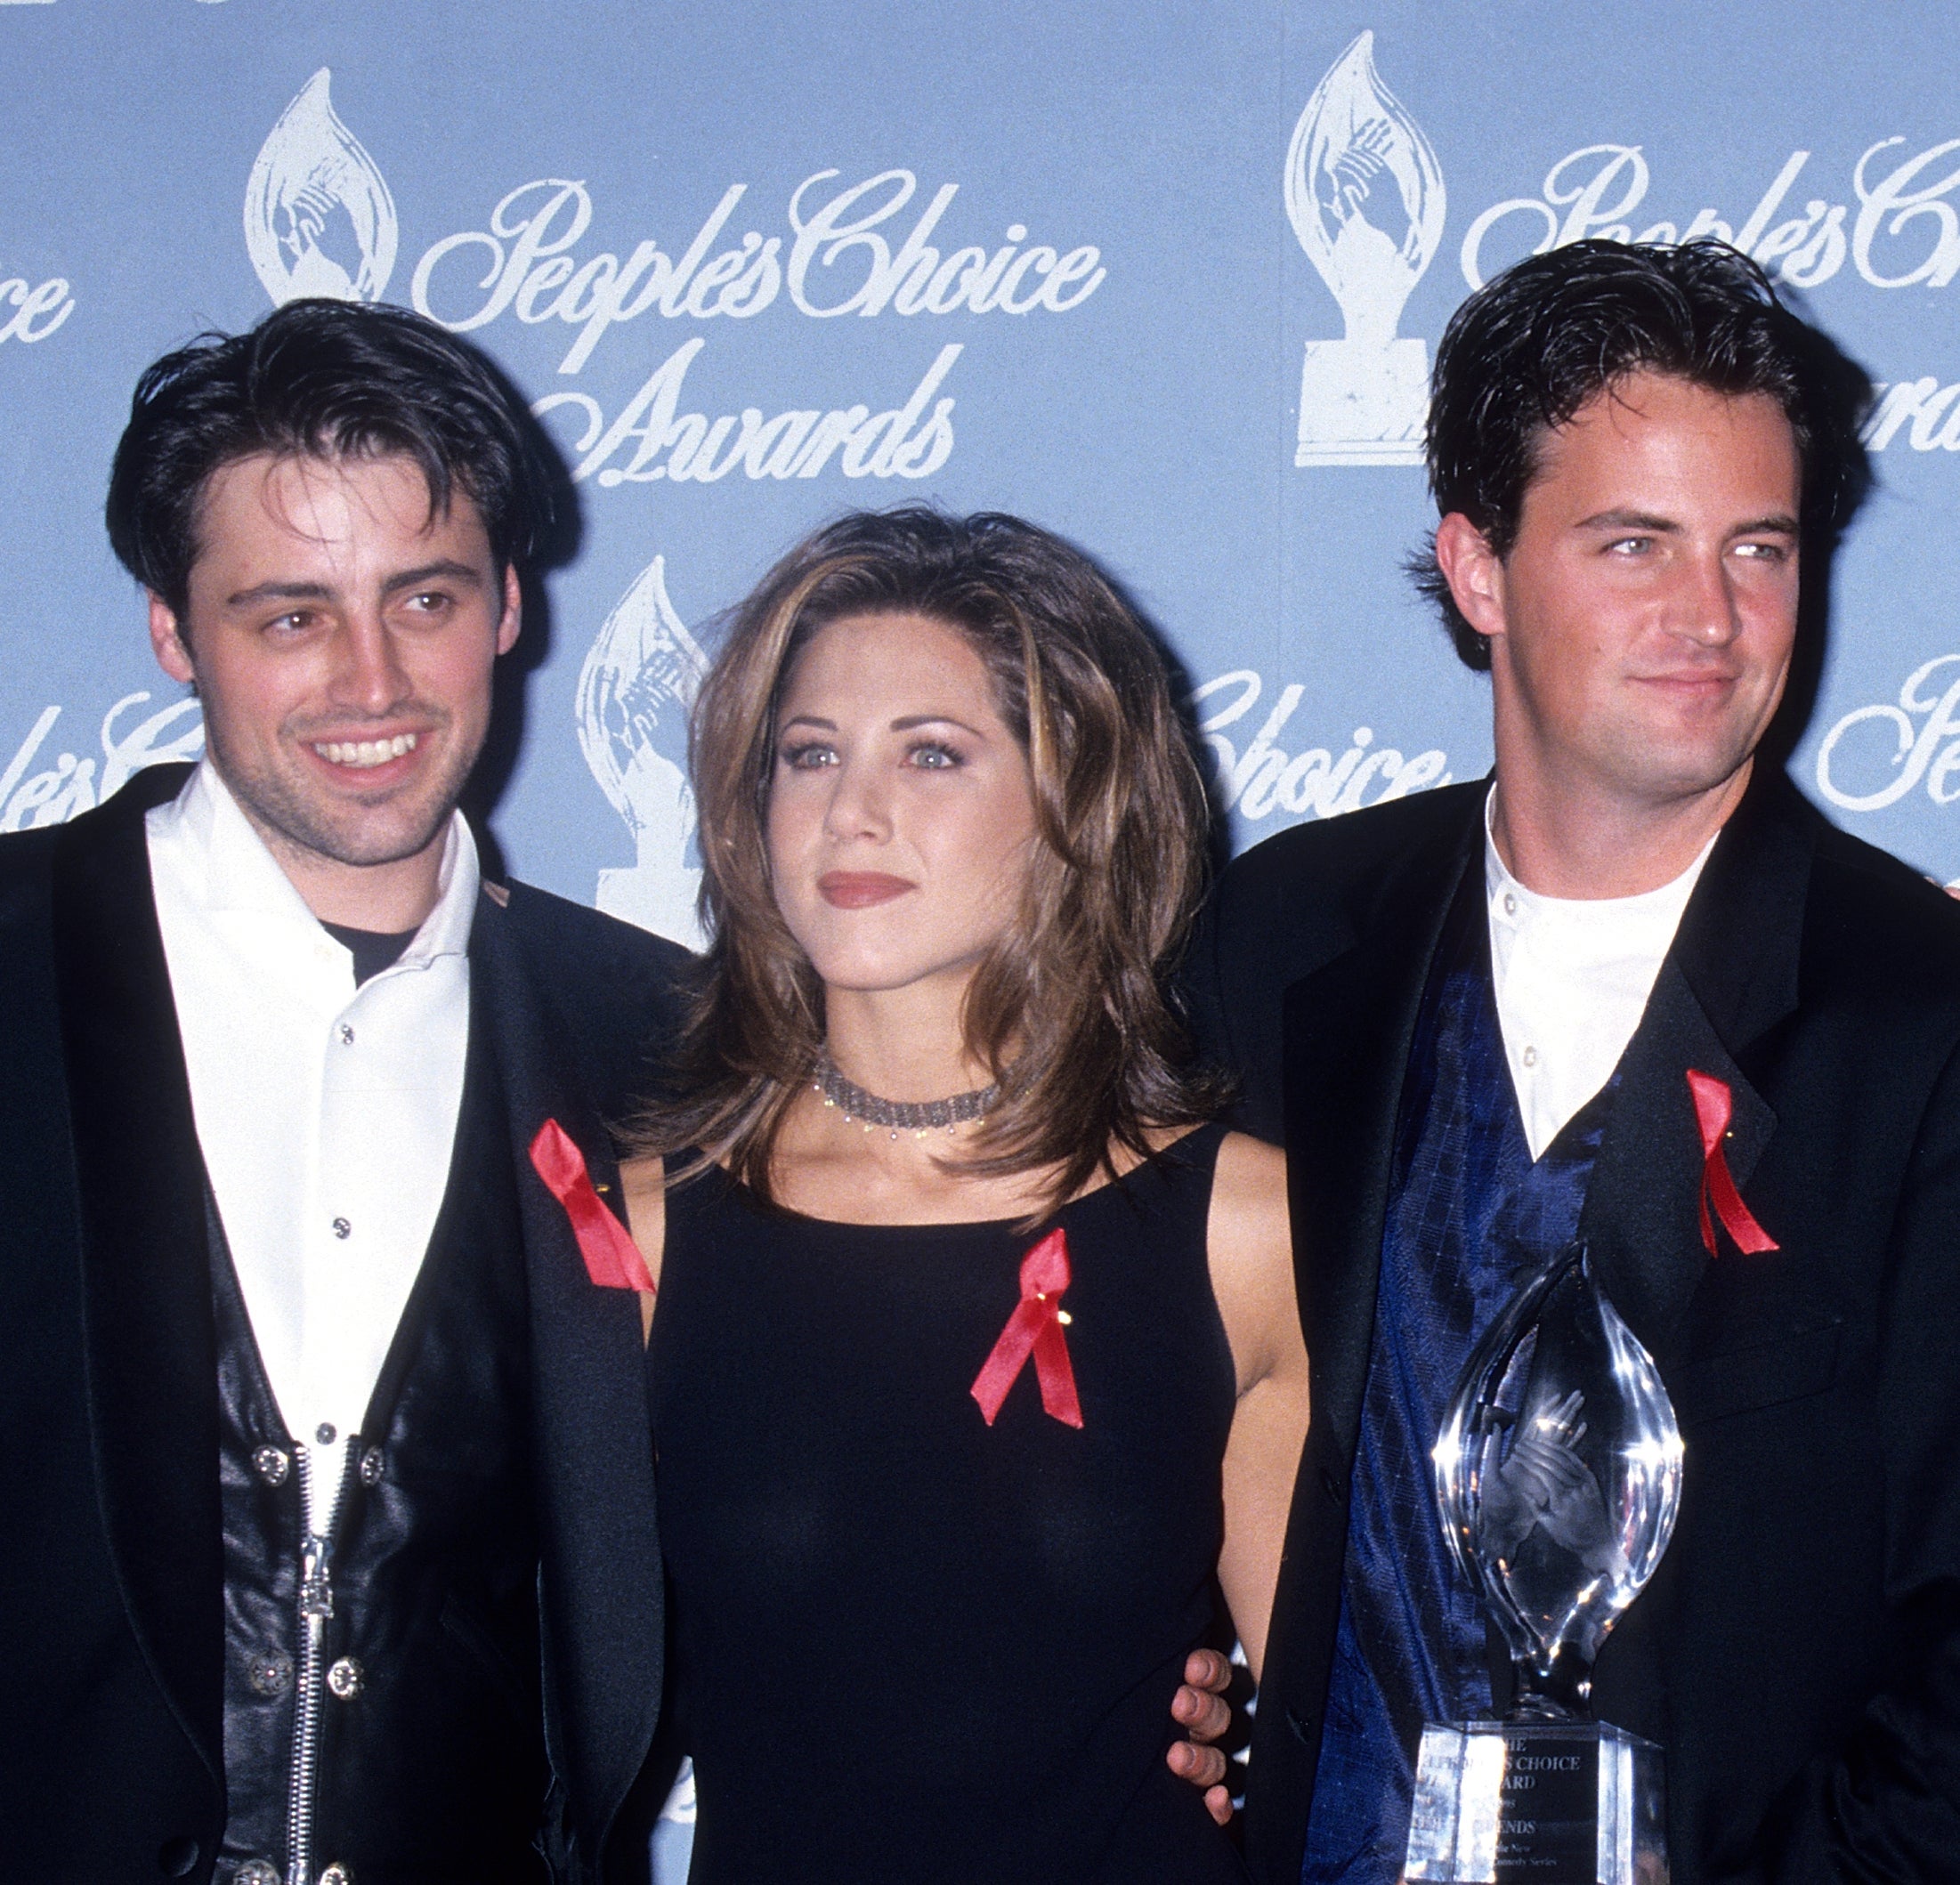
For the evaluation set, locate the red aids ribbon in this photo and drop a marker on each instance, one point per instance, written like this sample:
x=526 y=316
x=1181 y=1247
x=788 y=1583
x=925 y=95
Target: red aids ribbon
x=1714 y=1107
x=612 y=1259
x=1035 y=1328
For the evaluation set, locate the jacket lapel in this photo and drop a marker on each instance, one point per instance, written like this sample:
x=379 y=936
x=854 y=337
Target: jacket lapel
x=1730 y=976
x=148 y=1335
x=603 y=1650
x=1350 y=1028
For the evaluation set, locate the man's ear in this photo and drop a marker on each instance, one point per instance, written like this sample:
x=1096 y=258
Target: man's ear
x=167 y=640
x=1474 y=571
x=513 y=610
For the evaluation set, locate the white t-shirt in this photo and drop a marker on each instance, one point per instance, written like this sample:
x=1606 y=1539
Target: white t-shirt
x=1572 y=975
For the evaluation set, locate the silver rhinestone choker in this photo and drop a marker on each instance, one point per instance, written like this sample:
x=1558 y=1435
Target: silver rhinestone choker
x=918 y=1117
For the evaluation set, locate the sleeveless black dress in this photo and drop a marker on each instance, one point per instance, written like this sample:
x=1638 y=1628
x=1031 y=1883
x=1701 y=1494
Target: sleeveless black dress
x=910 y=1646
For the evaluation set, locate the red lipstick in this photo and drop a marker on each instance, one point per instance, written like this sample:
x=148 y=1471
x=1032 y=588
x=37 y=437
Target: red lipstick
x=860 y=889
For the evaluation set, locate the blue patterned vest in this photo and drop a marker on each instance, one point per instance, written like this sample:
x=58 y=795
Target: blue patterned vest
x=1470 y=1214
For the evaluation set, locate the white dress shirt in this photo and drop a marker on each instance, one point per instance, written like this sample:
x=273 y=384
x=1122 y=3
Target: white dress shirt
x=1573 y=975
x=326 y=1114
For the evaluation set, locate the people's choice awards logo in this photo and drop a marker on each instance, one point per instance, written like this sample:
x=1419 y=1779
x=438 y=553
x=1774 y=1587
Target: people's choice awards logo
x=318 y=219
x=1905 y=232
x=31 y=310
x=1365 y=193
x=635 y=691
x=1260 y=777
x=863 y=248
x=1859 y=769
x=77 y=782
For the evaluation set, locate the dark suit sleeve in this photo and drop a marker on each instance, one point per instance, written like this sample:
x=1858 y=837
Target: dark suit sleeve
x=1228 y=979
x=1886 y=1804
x=618 y=993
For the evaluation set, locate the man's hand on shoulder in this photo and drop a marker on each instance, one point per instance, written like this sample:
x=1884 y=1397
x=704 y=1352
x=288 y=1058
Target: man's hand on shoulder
x=1201 y=1710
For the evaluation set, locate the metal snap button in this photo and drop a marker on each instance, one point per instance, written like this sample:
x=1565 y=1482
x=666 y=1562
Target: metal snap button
x=336 y=1874
x=325 y=1433
x=371 y=1466
x=272 y=1464
x=346 y=1035
x=346 y=1678
x=257 y=1871
x=343 y=1229
x=269 y=1674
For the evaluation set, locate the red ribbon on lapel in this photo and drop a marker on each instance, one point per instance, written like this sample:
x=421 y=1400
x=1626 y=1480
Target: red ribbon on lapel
x=1035 y=1328
x=1714 y=1107
x=612 y=1259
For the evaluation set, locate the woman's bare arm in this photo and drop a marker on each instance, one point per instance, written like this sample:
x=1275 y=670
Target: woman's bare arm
x=1251 y=1259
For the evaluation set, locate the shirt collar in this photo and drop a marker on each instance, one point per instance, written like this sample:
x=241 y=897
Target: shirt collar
x=240 y=877
x=1512 y=903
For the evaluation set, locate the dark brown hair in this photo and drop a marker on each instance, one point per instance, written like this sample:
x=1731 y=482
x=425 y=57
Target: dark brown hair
x=1530 y=348
x=328 y=379
x=1069 y=1012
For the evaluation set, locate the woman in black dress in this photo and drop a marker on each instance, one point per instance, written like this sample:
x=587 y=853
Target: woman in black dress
x=975 y=1367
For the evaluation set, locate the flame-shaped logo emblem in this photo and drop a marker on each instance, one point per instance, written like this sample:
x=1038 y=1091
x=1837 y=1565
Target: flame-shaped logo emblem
x=635 y=692
x=318 y=219
x=1365 y=197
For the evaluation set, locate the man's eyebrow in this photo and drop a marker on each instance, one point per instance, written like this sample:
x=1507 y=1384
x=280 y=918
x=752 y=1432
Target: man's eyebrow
x=302 y=591
x=428 y=572
x=279 y=592
x=1777 y=522
x=1646 y=520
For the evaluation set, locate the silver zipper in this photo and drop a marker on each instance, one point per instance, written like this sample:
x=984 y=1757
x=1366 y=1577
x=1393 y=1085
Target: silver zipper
x=316 y=1605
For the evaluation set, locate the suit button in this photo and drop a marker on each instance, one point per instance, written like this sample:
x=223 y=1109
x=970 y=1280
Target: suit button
x=256 y=1871
x=272 y=1465
x=346 y=1678
x=269 y=1674
x=1329 y=1482
x=176 y=1857
x=336 y=1874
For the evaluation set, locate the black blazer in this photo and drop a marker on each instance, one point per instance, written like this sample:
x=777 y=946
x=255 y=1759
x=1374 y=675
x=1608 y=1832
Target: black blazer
x=1798 y=1652
x=111 y=1584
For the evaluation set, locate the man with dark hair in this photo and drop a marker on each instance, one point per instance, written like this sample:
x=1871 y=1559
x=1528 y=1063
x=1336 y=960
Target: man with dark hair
x=329 y=1550
x=1482 y=1018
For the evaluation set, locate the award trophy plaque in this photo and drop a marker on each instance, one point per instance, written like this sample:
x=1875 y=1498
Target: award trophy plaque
x=1559 y=1475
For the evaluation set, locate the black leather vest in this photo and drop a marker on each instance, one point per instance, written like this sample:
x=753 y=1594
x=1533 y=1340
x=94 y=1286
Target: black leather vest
x=381 y=1714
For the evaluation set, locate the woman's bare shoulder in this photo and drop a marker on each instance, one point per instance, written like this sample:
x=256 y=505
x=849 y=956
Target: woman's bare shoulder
x=1249 y=1247
x=1250 y=1180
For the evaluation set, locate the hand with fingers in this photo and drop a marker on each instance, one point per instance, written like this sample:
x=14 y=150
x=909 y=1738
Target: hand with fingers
x=1201 y=1710
x=1543 y=1481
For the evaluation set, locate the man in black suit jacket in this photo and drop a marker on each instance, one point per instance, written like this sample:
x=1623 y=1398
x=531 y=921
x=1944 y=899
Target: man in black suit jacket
x=1629 y=448
x=206 y=1677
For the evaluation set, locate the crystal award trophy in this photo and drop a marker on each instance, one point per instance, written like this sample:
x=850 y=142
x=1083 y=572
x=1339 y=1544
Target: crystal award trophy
x=1558 y=1475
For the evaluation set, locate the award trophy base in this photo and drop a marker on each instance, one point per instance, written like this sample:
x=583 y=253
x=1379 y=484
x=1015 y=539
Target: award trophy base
x=1550 y=1802
x=1363 y=402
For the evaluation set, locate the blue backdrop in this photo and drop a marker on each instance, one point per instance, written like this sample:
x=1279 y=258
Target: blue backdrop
x=1164 y=276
